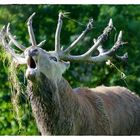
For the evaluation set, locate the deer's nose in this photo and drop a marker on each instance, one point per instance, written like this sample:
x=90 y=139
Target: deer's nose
x=33 y=52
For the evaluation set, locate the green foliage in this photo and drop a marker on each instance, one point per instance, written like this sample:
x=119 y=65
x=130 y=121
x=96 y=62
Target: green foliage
x=125 y=17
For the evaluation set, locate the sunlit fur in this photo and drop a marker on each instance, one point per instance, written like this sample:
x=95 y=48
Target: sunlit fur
x=61 y=110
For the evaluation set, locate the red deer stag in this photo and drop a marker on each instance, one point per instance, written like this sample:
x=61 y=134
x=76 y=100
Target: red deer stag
x=61 y=110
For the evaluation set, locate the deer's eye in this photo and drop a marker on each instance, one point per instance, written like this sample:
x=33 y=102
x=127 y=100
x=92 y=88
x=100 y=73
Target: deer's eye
x=53 y=58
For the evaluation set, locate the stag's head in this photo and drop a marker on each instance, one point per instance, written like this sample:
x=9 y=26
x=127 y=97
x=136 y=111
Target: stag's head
x=41 y=61
x=53 y=64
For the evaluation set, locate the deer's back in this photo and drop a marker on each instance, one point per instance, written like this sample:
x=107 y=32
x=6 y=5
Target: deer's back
x=116 y=109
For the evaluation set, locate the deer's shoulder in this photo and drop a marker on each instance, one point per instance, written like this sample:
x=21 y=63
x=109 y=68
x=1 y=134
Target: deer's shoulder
x=103 y=90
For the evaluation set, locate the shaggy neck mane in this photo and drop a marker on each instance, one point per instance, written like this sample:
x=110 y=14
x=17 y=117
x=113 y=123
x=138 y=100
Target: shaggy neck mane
x=48 y=101
x=61 y=110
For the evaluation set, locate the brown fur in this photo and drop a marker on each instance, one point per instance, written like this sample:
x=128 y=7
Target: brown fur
x=60 y=110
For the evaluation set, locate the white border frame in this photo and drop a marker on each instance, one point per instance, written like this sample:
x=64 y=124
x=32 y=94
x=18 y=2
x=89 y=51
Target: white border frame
x=69 y=1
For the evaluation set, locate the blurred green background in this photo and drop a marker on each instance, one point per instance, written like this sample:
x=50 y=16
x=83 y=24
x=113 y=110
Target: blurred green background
x=125 y=17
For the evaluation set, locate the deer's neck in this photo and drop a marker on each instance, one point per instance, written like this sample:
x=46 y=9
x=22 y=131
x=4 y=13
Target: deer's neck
x=52 y=104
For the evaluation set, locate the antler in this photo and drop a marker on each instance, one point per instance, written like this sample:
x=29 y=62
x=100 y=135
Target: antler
x=58 y=31
x=65 y=54
x=19 y=59
x=87 y=57
x=21 y=47
x=30 y=30
x=5 y=35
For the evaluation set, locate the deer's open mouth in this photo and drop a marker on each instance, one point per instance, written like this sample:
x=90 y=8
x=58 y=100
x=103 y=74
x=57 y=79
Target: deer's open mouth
x=31 y=62
x=31 y=68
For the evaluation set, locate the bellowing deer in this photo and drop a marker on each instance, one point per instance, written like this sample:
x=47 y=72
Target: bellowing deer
x=61 y=110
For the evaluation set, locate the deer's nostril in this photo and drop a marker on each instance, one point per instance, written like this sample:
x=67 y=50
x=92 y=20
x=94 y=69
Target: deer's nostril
x=33 y=52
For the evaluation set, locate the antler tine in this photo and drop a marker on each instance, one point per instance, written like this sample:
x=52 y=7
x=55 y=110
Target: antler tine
x=119 y=39
x=2 y=33
x=81 y=36
x=58 y=31
x=12 y=38
x=122 y=58
x=7 y=46
x=100 y=39
x=30 y=30
x=100 y=48
x=2 y=36
x=116 y=45
x=3 y=39
x=111 y=53
x=2 y=30
x=41 y=43
x=87 y=57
